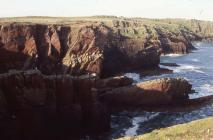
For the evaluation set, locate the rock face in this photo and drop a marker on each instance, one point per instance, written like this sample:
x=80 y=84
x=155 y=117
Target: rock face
x=34 y=105
x=151 y=93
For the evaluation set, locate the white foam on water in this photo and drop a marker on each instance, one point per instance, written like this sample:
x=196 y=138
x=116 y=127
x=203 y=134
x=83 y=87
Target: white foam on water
x=204 y=90
x=195 y=60
x=173 y=55
x=184 y=68
x=207 y=88
x=197 y=44
x=187 y=68
x=132 y=131
x=134 y=76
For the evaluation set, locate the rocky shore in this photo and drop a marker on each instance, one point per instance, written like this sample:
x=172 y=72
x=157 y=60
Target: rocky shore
x=61 y=79
x=39 y=105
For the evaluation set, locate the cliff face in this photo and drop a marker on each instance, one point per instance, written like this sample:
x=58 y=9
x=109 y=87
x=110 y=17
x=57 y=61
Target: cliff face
x=88 y=47
x=74 y=50
x=33 y=105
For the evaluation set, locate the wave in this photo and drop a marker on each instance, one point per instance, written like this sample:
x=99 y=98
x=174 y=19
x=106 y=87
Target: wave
x=132 y=131
x=173 y=55
x=195 y=60
x=134 y=76
x=203 y=90
x=197 y=44
x=185 y=68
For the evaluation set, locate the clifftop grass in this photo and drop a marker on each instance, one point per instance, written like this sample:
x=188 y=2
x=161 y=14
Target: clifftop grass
x=130 y=27
x=196 y=130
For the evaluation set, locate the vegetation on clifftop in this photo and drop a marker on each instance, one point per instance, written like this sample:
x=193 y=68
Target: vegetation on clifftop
x=131 y=27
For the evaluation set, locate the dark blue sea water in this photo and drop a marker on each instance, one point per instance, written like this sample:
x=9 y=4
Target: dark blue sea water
x=197 y=68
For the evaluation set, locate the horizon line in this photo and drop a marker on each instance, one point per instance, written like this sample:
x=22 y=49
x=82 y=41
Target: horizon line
x=104 y=16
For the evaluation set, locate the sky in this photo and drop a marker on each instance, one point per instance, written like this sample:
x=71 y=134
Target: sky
x=193 y=9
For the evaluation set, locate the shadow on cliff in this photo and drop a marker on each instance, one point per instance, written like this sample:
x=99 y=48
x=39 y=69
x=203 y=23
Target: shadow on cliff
x=10 y=60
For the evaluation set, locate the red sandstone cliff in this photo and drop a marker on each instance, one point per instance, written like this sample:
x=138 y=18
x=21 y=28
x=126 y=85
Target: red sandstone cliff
x=82 y=48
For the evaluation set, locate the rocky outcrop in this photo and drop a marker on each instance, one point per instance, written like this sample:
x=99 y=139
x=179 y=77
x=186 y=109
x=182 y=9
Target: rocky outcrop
x=151 y=93
x=168 y=38
x=36 y=106
x=175 y=42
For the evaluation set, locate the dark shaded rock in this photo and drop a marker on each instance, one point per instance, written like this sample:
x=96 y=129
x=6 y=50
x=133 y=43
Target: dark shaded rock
x=154 y=71
x=170 y=64
x=3 y=104
x=113 y=82
x=36 y=106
